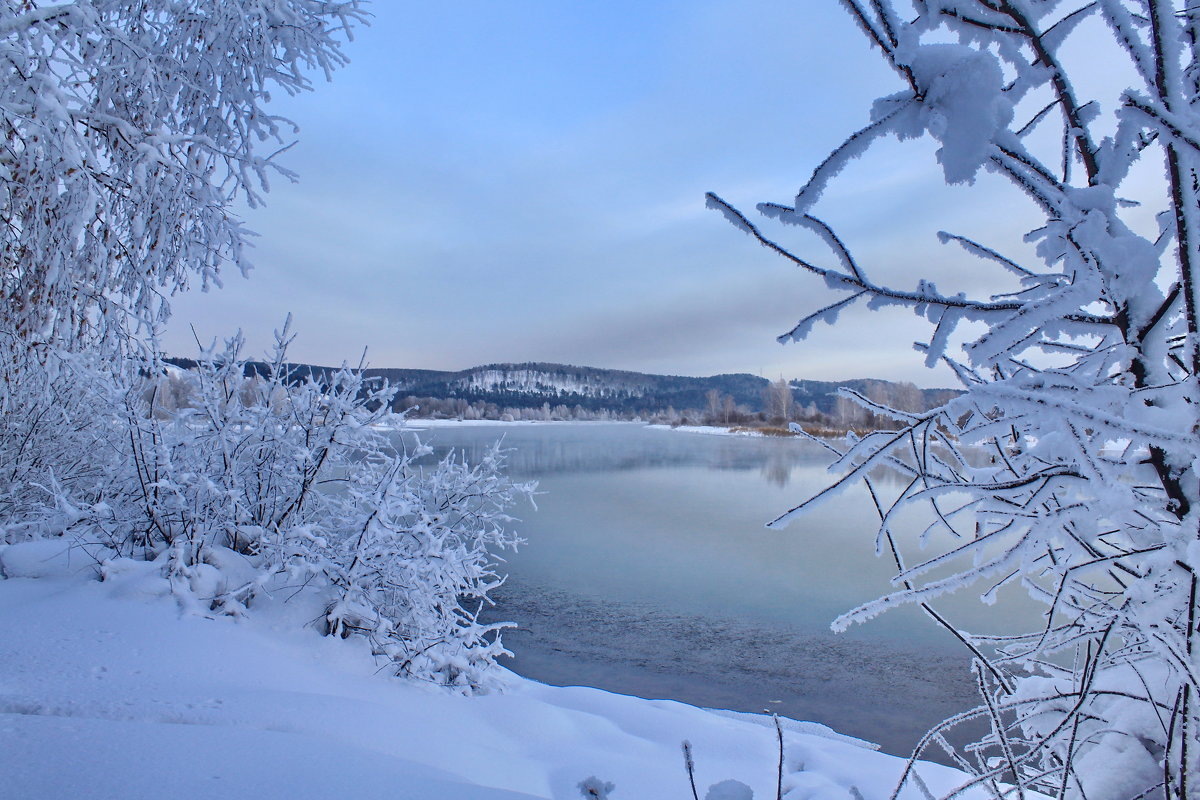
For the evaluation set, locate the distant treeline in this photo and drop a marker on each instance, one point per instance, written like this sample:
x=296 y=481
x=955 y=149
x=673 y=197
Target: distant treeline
x=541 y=391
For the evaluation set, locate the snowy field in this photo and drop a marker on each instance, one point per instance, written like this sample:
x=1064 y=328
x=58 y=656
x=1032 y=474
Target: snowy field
x=108 y=691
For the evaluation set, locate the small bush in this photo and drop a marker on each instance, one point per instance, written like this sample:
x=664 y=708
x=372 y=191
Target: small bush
x=233 y=481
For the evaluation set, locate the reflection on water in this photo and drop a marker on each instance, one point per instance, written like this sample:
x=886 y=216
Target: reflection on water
x=539 y=450
x=778 y=467
x=648 y=571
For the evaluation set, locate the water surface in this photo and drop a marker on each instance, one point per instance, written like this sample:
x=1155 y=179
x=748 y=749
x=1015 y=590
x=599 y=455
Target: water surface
x=648 y=571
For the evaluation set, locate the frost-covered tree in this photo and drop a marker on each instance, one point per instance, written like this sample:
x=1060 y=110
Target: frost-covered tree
x=127 y=131
x=1069 y=465
x=419 y=561
x=778 y=401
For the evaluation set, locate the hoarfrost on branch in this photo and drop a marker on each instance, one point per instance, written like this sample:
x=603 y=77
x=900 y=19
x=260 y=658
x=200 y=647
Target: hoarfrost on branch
x=128 y=132
x=1069 y=464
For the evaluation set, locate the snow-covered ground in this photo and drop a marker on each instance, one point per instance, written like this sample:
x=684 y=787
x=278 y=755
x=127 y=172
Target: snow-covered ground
x=710 y=430
x=108 y=691
x=416 y=424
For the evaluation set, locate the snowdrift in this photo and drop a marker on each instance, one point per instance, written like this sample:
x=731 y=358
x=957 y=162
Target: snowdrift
x=108 y=690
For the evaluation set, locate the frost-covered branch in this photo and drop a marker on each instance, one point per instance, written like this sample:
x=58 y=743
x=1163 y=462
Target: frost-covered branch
x=126 y=134
x=924 y=298
x=1069 y=465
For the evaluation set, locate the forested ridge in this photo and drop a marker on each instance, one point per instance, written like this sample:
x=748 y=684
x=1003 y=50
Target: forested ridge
x=530 y=385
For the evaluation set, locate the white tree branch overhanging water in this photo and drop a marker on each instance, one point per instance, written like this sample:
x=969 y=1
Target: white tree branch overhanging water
x=1069 y=465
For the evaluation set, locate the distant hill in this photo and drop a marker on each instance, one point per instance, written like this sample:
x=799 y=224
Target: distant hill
x=532 y=384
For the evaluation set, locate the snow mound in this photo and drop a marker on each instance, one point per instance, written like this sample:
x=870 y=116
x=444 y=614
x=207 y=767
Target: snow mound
x=44 y=559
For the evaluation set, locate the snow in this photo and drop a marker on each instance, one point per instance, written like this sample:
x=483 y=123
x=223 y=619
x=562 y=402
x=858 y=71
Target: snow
x=109 y=691
x=963 y=105
x=709 y=430
x=422 y=424
x=729 y=790
x=546 y=382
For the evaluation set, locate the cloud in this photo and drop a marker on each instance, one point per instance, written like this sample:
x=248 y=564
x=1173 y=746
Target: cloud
x=525 y=182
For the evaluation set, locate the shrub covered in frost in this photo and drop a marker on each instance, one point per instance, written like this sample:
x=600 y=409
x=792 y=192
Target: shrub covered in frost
x=261 y=478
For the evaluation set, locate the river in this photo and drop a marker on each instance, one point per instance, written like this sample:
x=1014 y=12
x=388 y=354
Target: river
x=648 y=571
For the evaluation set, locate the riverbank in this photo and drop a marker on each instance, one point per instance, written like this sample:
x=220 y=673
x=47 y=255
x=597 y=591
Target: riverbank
x=108 y=691
x=812 y=429
x=765 y=430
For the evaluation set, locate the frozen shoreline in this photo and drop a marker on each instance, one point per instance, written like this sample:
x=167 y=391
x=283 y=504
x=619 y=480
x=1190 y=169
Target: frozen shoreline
x=100 y=677
x=707 y=430
x=424 y=424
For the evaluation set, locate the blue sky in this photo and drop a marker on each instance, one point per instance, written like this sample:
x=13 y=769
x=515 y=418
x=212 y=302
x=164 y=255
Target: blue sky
x=524 y=181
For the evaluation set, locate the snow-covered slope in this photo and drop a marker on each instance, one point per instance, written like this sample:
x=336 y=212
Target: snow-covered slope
x=107 y=691
x=548 y=380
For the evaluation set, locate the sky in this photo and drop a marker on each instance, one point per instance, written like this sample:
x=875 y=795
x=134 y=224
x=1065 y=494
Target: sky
x=524 y=181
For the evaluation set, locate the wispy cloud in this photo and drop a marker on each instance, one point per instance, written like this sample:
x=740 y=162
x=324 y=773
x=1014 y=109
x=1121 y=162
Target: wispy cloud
x=526 y=182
